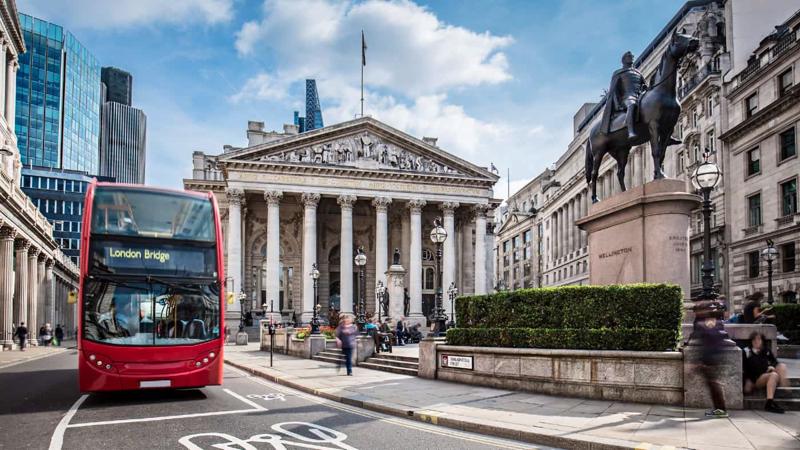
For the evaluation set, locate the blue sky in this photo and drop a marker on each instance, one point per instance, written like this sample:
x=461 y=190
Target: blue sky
x=497 y=81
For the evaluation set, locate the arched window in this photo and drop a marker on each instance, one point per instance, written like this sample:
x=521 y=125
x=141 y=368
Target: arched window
x=428 y=278
x=334 y=256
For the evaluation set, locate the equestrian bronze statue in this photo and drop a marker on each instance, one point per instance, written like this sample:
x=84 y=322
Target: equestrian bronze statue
x=635 y=113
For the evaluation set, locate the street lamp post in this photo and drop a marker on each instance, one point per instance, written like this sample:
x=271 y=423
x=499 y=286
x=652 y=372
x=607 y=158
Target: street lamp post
x=242 y=298
x=452 y=292
x=315 y=318
x=705 y=178
x=438 y=236
x=769 y=254
x=361 y=262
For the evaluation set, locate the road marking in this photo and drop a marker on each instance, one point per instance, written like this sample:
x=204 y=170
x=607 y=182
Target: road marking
x=160 y=418
x=268 y=397
x=256 y=408
x=441 y=431
x=323 y=435
x=57 y=440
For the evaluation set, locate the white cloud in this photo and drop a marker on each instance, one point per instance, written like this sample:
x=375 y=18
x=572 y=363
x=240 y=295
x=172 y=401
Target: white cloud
x=410 y=52
x=261 y=87
x=106 y=14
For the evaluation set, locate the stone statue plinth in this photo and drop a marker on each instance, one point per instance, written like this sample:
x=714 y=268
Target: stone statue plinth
x=641 y=235
x=394 y=281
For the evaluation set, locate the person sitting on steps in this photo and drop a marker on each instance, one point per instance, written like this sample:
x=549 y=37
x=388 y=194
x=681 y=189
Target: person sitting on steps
x=762 y=370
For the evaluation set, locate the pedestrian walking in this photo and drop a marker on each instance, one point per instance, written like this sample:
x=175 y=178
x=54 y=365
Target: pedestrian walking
x=46 y=335
x=709 y=330
x=22 y=334
x=346 y=334
x=59 y=334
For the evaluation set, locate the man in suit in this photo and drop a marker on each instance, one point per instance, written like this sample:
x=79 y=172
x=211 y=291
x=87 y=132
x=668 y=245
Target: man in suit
x=627 y=85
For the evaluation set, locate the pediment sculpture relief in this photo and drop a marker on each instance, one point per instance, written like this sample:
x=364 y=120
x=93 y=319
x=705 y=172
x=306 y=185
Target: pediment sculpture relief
x=360 y=151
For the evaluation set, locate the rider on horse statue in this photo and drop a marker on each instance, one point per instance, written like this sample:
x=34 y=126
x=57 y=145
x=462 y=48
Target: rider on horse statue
x=627 y=85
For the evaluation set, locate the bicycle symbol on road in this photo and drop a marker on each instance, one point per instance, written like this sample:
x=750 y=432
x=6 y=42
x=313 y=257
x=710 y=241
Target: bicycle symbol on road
x=268 y=397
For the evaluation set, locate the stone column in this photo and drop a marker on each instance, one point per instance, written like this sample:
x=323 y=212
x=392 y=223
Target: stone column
x=3 y=77
x=381 y=205
x=235 y=197
x=50 y=298
x=273 y=274
x=11 y=94
x=449 y=250
x=468 y=251
x=310 y=200
x=570 y=226
x=415 y=262
x=346 y=254
x=480 y=249
x=7 y=235
x=33 y=295
x=21 y=282
x=554 y=235
x=42 y=307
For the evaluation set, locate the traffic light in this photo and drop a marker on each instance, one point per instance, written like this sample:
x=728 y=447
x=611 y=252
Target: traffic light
x=72 y=297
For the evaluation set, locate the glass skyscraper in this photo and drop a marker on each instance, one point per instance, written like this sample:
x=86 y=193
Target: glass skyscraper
x=123 y=129
x=313 y=118
x=58 y=100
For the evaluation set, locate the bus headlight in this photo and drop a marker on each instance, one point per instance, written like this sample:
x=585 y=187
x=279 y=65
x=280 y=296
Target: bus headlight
x=198 y=364
x=99 y=363
x=108 y=366
x=205 y=360
x=211 y=355
x=92 y=357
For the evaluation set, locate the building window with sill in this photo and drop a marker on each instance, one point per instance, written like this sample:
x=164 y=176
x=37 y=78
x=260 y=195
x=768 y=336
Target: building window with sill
x=788 y=257
x=754 y=210
x=789 y=198
x=787 y=142
x=753 y=162
x=751 y=105
x=711 y=142
x=753 y=267
x=785 y=81
x=710 y=104
x=681 y=164
x=789 y=297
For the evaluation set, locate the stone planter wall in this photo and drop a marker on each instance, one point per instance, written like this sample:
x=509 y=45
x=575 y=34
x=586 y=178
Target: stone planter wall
x=299 y=347
x=646 y=377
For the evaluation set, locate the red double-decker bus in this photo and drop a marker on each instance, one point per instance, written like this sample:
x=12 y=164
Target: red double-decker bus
x=151 y=296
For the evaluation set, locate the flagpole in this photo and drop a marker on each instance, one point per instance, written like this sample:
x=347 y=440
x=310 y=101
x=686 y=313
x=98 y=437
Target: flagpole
x=362 y=72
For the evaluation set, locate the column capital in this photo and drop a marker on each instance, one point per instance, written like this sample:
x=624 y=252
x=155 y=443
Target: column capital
x=7 y=233
x=273 y=197
x=33 y=252
x=50 y=263
x=310 y=199
x=43 y=257
x=381 y=203
x=22 y=244
x=346 y=201
x=235 y=196
x=416 y=205
x=448 y=208
x=480 y=209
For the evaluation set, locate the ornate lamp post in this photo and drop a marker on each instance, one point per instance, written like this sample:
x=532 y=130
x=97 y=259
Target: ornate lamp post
x=315 y=318
x=452 y=292
x=242 y=297
x=361 y=314
x=705 y=178
x=380 y=298
x=769 y=255
x=438 y=236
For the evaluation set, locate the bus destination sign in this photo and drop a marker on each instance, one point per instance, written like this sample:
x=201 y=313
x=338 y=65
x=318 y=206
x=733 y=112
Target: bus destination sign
x=165 y=259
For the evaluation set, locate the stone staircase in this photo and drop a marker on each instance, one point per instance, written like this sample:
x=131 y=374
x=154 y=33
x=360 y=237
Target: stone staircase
x=331 y=355
x=387 y=362
x=788 y=397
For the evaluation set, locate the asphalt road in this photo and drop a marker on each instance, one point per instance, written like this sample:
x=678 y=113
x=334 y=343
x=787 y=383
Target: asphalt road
x=41 y=408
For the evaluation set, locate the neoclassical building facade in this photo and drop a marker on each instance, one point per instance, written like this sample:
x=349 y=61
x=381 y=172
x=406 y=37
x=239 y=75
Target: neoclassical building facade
x=289 y=201
x=35 y=275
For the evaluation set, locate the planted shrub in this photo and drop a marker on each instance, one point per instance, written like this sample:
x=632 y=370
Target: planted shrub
x=617 y=317
x=787 y=320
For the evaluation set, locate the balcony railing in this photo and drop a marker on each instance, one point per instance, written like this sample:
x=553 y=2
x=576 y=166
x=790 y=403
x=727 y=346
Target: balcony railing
x=705 y=72
x=749 y=231
x=783 y=44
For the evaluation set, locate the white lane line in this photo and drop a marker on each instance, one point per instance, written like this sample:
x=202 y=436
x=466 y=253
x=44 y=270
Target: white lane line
x=57 y=440
x=156 y=419
x=249 y=402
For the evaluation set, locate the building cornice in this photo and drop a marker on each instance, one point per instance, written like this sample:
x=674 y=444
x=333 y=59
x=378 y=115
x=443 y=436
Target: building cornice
x=786 y=101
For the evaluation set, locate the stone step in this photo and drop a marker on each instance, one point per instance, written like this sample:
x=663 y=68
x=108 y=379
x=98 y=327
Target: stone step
x=328 y=359
x=413 y=359
x=385 y=368
x=792 y=404
x=383 y=360
x=787 y=392
x=333 y=351
x=794 y=382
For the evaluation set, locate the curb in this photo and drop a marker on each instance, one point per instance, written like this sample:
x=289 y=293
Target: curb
x=541 y=436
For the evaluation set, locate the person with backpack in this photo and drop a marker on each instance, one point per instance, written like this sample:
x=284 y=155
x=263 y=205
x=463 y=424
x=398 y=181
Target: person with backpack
x=22 y=334
x=59 y=335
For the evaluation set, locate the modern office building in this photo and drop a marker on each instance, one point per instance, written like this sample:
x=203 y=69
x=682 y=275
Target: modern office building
x=57 y=99
x=123 y=130
x=313 y=118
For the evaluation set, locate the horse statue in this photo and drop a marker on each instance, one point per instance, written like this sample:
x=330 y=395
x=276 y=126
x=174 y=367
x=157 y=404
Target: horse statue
x=657 y=111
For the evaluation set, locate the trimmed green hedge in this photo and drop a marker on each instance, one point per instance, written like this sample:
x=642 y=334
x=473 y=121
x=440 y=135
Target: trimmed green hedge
x=658 y=306
x=572 y=338
x=787 y=320
x=617 y=317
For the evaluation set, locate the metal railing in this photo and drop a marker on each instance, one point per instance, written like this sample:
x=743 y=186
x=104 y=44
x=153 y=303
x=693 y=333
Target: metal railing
x=705 y=72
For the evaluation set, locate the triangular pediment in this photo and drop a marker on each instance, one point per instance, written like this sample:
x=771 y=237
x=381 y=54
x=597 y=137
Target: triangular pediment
x=362 y=143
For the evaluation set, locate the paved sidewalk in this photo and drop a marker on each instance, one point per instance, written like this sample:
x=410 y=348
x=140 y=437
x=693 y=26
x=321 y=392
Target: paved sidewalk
x=546 y=420
x=14 y=357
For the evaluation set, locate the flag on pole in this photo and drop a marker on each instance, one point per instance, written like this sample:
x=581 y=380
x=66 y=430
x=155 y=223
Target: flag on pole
x=363 y=49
